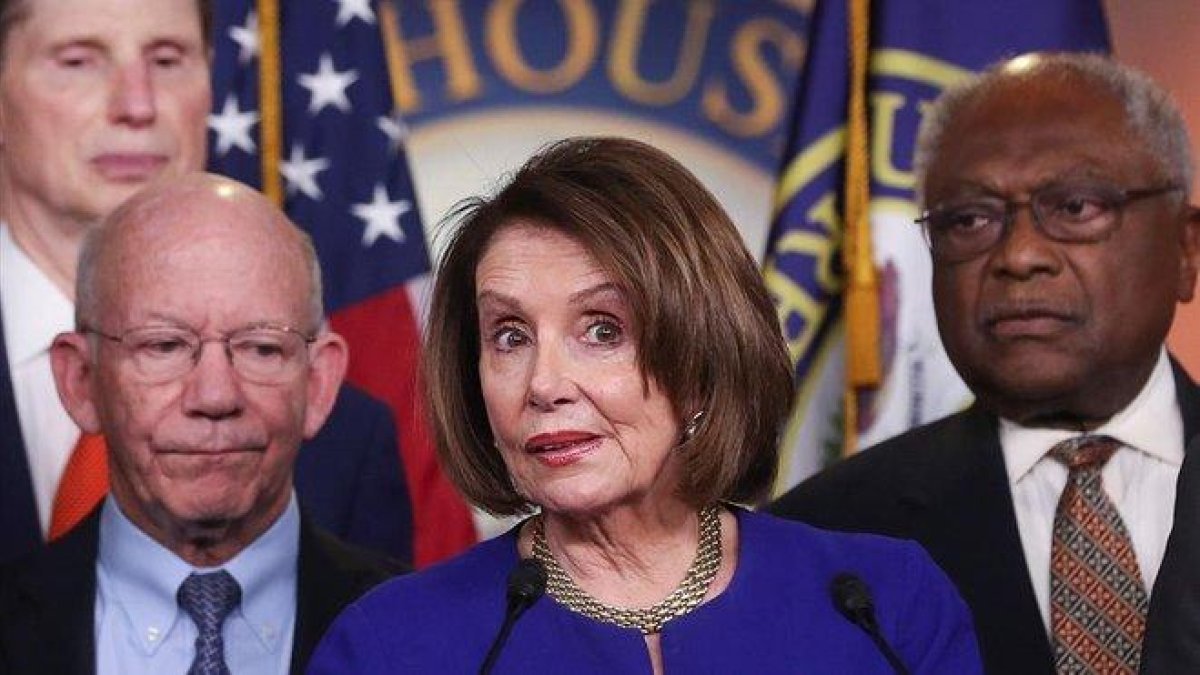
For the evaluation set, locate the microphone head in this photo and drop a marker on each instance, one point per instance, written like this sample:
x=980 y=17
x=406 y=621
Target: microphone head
x=851 y=597
x=527 y=581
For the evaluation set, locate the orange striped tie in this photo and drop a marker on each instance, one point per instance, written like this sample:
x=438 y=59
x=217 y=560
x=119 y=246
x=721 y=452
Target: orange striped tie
x=83 y=485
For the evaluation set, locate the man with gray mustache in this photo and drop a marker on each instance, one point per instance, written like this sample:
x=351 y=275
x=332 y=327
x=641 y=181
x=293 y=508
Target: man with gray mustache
x=200 y=352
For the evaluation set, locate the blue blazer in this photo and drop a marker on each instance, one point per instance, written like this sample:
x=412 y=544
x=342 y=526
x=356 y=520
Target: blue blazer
x=775 y=616
x=348 y=478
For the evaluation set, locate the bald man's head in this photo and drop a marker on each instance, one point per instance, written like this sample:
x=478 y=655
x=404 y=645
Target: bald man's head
x=178 y=215
x=201 y=357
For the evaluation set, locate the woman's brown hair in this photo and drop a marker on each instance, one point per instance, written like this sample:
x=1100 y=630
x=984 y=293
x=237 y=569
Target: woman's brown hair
x=706 y=330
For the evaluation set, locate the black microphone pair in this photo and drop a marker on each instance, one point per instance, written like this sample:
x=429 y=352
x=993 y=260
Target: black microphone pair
x=850 y=594
x=853 y=600
x=526 y=583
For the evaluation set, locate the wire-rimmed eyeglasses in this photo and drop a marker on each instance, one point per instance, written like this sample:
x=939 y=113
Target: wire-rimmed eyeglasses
x=261 y=353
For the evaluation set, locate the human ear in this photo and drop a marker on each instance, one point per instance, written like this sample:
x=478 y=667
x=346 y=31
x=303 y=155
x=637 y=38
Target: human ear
x=71 y=361
x=1189 y=241
x=326 y=370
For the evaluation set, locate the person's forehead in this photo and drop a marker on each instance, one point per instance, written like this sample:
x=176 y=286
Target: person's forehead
x=179 y=219
x=1039 y=126
x=39 y=21
x=191 y=232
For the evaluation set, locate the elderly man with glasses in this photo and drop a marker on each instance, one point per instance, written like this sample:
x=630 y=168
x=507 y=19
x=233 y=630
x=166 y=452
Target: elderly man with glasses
x=200 y=354
x=97 y=100
x=1055 y=190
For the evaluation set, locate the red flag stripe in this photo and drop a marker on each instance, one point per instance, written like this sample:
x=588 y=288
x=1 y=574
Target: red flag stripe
x=385 y=343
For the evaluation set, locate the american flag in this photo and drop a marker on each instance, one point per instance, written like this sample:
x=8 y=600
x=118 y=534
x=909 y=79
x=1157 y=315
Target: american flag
x=345 y=179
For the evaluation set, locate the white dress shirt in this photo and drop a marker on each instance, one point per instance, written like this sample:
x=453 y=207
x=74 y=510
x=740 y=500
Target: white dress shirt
x=140 y=628
x=35 y=310
x=1139 y=478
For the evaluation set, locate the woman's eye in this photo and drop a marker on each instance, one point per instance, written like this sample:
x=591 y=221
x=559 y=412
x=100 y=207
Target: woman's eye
x=604 y=332
x=508 y=338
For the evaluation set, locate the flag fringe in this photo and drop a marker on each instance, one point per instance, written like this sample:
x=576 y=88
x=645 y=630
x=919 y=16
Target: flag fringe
x=863 y=368
x=270 y=99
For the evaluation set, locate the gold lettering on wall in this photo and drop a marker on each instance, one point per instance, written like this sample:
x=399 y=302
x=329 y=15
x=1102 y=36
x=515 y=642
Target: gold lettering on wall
x=582 y=31
x=769 y=96
x=630 y=36
x=448 y=42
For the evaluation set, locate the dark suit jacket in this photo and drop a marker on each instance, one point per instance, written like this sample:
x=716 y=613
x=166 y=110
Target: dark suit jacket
x=944 y=484
x=348 y=478
x=47 y=600
x=1173 y=629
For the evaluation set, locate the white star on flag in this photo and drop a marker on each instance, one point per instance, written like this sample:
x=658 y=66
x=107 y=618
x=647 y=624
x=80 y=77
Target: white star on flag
x=301 y=173
x=246 y=37
x=327 y=86
x=394 y=128
x=348 y=10
x=232 y=127
x=381 y=216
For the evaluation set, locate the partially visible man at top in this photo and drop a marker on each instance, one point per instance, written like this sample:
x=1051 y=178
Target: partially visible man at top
x=1055 y=190
x=199 y=352
x=97 y=99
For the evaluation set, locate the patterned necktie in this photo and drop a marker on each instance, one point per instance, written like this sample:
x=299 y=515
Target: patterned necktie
x=208 y=599
x=84 y=483
x=1097 y=598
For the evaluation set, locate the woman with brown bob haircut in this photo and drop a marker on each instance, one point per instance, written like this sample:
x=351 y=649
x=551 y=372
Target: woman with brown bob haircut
x=602 y=349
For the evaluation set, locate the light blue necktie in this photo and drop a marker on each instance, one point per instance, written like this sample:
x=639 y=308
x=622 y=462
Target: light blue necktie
x=208 y=599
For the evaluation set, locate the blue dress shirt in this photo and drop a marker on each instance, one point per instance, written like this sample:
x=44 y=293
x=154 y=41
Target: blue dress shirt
x=140 y=627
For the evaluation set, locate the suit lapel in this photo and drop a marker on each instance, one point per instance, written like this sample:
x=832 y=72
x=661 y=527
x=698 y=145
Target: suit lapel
x=49 y=621
x=962 y=511
x=18 y=508
x=328 y=577
x=1188 y=395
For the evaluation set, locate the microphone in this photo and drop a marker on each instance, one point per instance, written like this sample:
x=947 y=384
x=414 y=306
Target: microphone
x=853 y=600
x=526 y=583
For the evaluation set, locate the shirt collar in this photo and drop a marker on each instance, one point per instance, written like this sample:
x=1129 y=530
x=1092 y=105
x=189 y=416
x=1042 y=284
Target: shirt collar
x=1150 y=424
x=266 y=571
x=144 y=577
x=35 y=309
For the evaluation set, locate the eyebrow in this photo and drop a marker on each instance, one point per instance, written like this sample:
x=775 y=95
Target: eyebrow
x=168 y=319
x=604 y=289
x=170 y=41
x=607 y=288
x=88 y=40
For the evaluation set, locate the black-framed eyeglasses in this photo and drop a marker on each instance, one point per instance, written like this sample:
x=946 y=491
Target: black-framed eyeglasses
x=960 y=230
x=261 y=353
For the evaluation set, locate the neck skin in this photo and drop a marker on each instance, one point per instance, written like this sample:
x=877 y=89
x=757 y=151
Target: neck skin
x=52 y=244
x=632 y=556
x=204 y=543
x=1080 y=411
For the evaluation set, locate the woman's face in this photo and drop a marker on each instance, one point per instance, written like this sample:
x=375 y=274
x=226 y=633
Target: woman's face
x=579 y=428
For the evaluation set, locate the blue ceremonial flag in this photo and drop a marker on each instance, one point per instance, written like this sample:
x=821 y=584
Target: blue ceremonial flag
x=917 y=48
x=345 y=179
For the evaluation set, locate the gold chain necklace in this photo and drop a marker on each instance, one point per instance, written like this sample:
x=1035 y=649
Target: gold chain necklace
x=648 y=620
